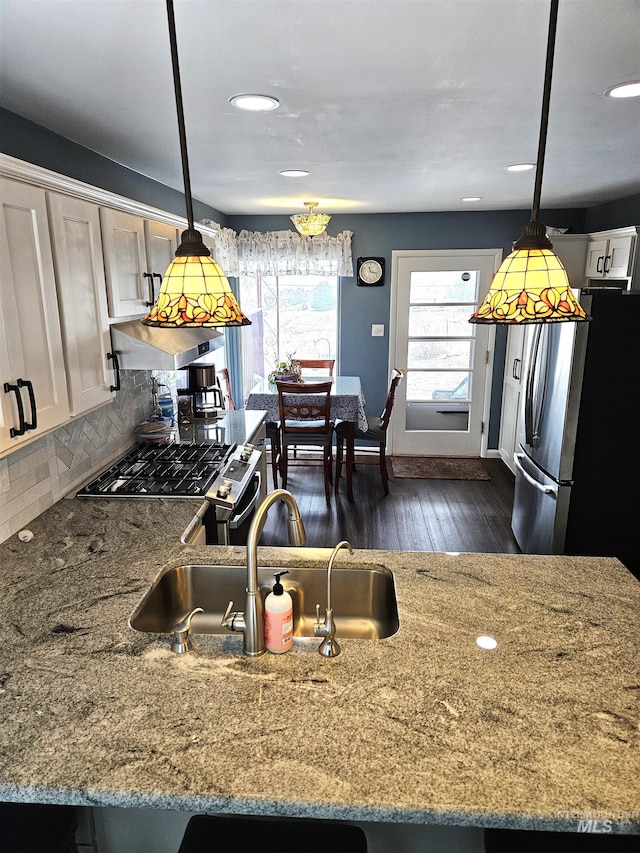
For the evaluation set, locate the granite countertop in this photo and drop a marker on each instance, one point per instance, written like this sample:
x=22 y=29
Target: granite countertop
x=423 y=727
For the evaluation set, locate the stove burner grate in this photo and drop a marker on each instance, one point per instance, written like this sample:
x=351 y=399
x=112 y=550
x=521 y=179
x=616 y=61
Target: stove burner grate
x=173 y=470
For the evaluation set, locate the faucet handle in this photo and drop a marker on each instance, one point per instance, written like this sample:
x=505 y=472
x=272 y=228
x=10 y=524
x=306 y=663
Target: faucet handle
x=224 y=623
x=181 y=642
x=234 y=621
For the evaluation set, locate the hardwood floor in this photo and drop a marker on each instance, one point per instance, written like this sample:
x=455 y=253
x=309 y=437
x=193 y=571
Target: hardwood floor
x=417 y=515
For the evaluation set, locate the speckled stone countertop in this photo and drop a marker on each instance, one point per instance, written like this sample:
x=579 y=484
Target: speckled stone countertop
x=424 y=726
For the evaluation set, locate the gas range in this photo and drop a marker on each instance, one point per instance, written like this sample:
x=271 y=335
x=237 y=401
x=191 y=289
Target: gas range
x=176 y=471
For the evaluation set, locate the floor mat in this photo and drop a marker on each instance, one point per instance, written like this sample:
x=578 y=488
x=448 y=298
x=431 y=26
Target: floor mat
x=438 y=468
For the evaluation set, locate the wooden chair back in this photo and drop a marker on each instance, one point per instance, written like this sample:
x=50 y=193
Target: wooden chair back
x=396 y=378
x=304 y=407
x=326 y=364
x=225 y=388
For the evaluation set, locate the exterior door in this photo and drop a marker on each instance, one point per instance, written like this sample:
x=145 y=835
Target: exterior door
x=442 y=406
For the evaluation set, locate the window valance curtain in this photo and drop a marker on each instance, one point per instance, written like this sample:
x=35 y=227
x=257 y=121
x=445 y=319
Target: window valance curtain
x=281 y=252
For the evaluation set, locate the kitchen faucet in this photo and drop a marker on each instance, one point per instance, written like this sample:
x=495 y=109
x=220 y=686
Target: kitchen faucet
x=251 y=620
x=329 y=647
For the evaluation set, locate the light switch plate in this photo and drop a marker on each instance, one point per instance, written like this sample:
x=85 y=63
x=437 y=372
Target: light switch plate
x=377 y=330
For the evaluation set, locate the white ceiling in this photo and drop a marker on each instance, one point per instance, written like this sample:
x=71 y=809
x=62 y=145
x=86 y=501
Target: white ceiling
x=393 y=105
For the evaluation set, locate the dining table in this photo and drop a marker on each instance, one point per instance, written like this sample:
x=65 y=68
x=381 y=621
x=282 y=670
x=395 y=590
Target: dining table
x=347 y=404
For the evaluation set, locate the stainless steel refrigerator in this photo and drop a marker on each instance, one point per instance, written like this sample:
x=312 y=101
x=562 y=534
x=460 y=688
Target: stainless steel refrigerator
x=578 y=461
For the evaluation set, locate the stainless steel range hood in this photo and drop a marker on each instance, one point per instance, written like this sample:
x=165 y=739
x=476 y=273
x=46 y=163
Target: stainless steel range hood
x=141 y=347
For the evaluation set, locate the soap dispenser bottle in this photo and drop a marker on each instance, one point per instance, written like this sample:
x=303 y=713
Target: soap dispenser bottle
x=278 y=618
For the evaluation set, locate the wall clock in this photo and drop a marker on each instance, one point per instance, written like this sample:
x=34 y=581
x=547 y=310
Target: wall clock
x=370 y=272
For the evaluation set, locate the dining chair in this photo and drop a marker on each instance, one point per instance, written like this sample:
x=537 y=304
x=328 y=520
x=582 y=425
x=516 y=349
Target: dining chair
x=375 y=434
x=305 y=409
x=326 y=364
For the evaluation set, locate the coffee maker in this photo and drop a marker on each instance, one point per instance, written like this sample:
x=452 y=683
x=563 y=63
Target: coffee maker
x=197 y=386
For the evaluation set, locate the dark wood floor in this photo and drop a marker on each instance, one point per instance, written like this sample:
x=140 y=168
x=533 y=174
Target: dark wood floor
x=417 y=515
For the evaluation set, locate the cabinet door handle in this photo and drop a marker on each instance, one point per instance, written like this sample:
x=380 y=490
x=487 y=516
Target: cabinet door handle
x=8 y=388
x=26 y=383
x=607 y=268
x=515 y=371
x=149 y=275
x=598 y=267
x=112 y=356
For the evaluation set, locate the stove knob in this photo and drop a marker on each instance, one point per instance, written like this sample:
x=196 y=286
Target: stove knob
x=245 y=453
x=224 y=488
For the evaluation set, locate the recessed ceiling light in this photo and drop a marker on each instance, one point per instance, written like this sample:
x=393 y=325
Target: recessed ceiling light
x=625 y=90
x=254 y=103
x=520 y=167
x=473 y=198
x=294 y=173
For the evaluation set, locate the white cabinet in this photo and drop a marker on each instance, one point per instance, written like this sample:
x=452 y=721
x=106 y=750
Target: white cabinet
x=161 y=242
x=82 y=297
x=611 y=254
x=137 y=252
x=33 y=386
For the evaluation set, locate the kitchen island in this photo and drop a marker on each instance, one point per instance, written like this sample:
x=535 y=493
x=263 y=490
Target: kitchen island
x=425 y=726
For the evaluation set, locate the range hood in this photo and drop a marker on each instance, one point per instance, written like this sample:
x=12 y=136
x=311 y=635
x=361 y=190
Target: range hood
x=141 y=347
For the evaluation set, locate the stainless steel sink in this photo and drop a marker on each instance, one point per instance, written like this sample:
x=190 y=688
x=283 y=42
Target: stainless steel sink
x=363 y=599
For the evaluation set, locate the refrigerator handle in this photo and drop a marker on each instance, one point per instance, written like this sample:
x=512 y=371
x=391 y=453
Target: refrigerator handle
x=530 y=384
x=533 y=482
x=515 y=370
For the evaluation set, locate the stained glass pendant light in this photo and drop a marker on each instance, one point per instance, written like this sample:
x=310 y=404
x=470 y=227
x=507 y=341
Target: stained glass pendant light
x=309 y=224
x=194 y=291
x=531 y=285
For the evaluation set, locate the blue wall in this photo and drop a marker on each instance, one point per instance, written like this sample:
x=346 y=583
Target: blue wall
x=614 y=214
x=373 y=234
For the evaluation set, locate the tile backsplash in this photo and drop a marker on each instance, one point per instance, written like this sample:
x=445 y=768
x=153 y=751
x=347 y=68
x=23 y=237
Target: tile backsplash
x=34 y=477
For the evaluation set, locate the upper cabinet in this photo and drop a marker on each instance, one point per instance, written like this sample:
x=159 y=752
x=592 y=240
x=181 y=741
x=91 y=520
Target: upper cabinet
x=33 y=385
x=137 y=252
x=82 y=297
x=612 y=254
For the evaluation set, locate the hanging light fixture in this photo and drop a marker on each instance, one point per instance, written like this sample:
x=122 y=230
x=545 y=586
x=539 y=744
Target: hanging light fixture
x=309 y=224
x=194 y=290
x=531 y=285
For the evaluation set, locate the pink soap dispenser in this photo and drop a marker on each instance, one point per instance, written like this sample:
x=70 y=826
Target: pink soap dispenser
x=278 y=618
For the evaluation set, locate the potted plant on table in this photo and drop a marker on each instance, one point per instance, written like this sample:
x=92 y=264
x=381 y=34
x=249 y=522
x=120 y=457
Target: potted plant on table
x=286 y=371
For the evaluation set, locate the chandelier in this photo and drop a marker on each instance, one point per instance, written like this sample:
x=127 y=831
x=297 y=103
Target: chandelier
x=309 y=224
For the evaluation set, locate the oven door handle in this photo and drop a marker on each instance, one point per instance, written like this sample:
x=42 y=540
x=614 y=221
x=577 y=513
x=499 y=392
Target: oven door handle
x=190 y=535
x=239 y=519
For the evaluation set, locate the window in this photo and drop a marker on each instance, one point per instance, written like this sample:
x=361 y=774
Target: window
x=296 y=314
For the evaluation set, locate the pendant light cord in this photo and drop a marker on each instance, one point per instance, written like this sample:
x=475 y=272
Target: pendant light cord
x=544 y=120
x=180 y=111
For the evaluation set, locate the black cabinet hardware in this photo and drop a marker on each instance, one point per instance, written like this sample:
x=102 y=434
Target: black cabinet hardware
x=33 y=423
x=8 y=388
x=112 y=356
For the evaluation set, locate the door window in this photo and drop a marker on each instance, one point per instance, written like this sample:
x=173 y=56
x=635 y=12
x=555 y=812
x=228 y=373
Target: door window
x=441 y=404
x=441 y=342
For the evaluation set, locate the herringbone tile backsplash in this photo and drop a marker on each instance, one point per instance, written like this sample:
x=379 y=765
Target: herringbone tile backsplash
x=36 y=476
